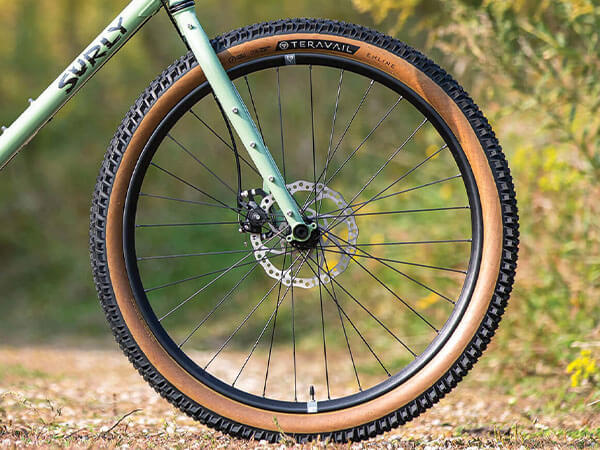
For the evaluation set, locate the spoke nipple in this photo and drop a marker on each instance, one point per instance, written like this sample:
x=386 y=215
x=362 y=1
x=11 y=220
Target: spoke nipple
x=30 y=101
x=290 y=213
x=253 y=144
x=4 y=129
x=235 y=110
x=191 y=27
x=272 y=179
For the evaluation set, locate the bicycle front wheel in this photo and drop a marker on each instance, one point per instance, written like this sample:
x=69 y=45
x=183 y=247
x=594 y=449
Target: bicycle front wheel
x=388 y=304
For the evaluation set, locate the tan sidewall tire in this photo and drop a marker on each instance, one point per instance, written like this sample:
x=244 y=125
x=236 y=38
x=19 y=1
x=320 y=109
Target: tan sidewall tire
x=398 y=397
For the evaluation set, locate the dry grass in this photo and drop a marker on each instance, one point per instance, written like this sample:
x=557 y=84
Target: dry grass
x=68 y=397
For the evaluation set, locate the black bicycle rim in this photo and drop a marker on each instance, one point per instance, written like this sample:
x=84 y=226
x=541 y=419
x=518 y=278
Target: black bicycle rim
x=277 y=405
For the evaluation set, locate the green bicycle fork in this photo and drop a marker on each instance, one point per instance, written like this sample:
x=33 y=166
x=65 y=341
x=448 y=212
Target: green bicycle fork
x=237 y=113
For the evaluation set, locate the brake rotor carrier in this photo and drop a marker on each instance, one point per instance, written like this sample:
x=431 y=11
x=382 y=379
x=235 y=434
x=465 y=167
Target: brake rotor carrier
x=262 y=252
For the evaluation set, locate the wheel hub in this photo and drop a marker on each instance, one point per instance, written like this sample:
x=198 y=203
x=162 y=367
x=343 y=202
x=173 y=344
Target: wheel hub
x=319 y=238
x=311 y=242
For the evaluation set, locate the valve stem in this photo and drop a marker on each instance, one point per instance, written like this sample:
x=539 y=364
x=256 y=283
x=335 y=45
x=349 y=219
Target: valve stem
x=311 y=406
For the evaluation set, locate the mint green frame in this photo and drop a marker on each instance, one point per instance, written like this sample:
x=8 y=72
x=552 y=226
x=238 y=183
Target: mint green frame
x=109 y=42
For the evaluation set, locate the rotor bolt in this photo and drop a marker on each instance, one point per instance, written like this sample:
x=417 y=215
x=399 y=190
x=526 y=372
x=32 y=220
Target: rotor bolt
x=235 y=110
x=240 y=230
x=256 y=216
x=272 y=179
x=290 y=213
x=253 y=144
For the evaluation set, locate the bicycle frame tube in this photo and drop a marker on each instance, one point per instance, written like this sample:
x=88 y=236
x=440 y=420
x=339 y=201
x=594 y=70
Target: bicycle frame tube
x=127 y=23
x=41 y=110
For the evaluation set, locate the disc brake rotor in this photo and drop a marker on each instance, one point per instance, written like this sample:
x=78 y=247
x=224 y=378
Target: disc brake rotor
x=345 y=250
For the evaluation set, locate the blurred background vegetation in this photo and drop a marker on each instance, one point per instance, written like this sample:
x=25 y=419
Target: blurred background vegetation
x=533 y=66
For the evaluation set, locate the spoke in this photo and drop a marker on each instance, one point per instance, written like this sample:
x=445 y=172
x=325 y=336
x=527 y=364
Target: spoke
x=186 y=255
x=254 y=108
x=362 y=101
x=390 y=291
x=429 y=158
x=335 y=111
x=187 y=183
x=369 y=312
x=399 y=272
x=398 y=150
x=218 y=305
x=399 y=262
x=223 y=141
x=191 y=224
x=448 y=241
x=405 y=211
x=342 y=323
x=275 y=321
x=443 y=180
x=312 y=124
x=211 y=130
x=185 y=280
x=195 y=158
x=180 y=305
x=323 y=327
x=352 y=323
x=331 y=155
x=273 y=314
x=294 y=346
x=248 y=317
x=281 y=125
x=181 y=200
x=378 y=195
x=338 y=170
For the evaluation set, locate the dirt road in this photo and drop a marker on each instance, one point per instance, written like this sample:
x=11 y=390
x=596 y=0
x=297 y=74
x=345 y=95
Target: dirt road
x=70 y=397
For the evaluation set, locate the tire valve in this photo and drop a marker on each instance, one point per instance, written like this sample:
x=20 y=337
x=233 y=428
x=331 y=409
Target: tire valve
x=311 y=406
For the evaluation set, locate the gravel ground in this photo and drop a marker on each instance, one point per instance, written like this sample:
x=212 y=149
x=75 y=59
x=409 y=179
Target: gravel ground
x=73 y=397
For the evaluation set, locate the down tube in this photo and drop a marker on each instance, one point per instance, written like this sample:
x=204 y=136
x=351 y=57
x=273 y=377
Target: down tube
x=41 y=110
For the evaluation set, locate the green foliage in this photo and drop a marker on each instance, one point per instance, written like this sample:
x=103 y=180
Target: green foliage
x=542 y=58
x=535 y=68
